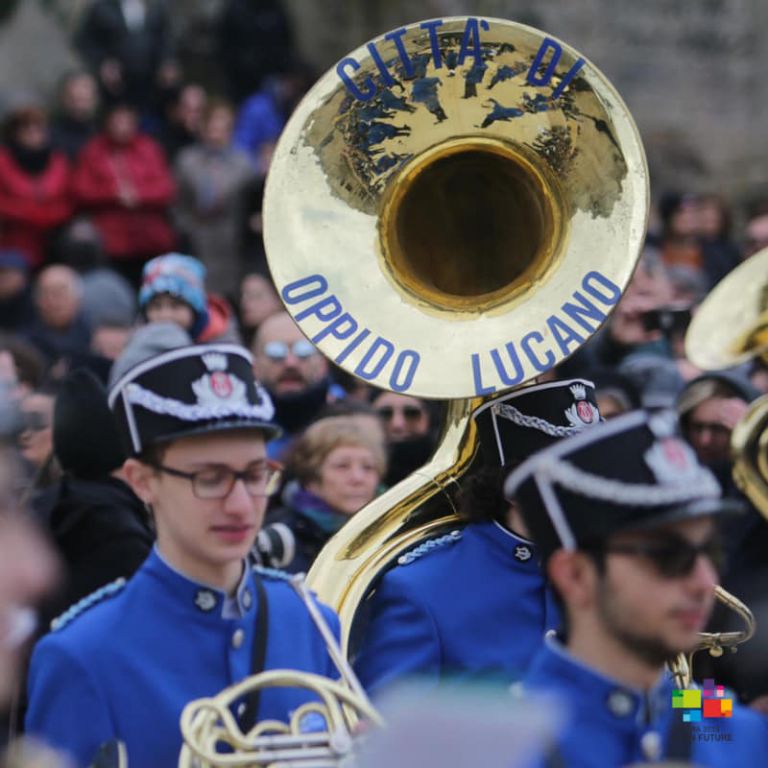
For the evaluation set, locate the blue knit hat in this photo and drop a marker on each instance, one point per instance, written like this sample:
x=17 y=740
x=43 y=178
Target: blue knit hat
x=180 y=276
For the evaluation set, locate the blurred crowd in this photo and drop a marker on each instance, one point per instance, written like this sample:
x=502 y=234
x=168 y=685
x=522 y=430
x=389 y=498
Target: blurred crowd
x=130 y=223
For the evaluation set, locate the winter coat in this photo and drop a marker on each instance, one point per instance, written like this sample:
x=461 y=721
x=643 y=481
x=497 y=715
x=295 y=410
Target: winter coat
x=100 y=530
x=105 y=168
x=31 y=206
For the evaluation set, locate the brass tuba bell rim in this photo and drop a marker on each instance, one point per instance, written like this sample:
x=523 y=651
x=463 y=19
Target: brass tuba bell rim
x=517 y=172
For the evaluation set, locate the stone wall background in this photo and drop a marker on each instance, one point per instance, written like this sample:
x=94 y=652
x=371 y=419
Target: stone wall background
x=694 y=73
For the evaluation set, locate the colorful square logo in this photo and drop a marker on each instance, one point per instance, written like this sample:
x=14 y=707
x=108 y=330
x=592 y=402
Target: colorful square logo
x=708 y=703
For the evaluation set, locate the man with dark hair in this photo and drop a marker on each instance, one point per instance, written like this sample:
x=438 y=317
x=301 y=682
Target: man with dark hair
x=624 y=518
x=195 y=618
x=474 y=602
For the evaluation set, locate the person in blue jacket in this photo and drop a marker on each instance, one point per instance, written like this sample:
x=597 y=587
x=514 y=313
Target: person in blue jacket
x=474 y=603
x=624 y=516
x=196 y=617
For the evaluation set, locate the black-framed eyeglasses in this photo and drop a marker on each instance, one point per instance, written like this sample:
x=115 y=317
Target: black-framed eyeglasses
x=278 y=350
x=217 y=482
x=410 y=412
x=673 y=557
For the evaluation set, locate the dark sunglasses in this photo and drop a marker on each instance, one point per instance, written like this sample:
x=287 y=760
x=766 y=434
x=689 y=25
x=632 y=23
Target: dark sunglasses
x=410 y=412
x=675 y=557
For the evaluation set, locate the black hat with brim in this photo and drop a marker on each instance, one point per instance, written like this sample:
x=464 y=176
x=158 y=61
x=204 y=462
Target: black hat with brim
x=193 y=390
x=518 y=424
x=631 y=473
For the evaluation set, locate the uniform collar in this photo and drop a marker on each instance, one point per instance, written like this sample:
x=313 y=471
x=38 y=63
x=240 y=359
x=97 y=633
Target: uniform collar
x=202 y=597
x=625 y=706
x=508 y=545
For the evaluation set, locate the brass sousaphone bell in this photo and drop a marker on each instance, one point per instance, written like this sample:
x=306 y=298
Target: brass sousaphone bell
x=450 y=212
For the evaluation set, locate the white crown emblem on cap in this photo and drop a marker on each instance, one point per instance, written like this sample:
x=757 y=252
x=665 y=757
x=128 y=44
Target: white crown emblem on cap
x=579 y=391
x=219 y=388
x=215 y=361
x=673 y=463
x=581 y=413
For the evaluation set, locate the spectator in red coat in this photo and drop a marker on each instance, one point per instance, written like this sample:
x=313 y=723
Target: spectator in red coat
x=35 y=184
x=123 y=182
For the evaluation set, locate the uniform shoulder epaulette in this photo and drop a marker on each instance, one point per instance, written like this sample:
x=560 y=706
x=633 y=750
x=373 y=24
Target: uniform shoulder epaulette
x=431 y=545
x=273 y=573
x=108 y=590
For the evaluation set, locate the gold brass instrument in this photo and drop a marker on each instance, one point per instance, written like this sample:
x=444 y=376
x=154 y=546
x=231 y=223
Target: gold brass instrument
x=213 y=737
x=450 y=212
x=729 y=328
x=731 y=325
x=714 y=642
x=749 y=451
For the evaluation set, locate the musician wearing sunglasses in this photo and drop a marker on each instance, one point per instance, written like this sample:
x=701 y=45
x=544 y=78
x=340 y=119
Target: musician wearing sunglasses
x=625 y=520
x=474 y=603
x=294 y=374
x=196 y=617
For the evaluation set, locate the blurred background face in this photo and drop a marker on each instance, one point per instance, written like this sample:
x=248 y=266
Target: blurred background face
x=217 y=129
x=36 y=438
x=79 y=97
x=404 y=417
x=58 y=297
x=191 y=108
x=32 y=133
x=348 y=478
x=12 y=282
x=258 y=300
x=284 y=361
x=165 y=308
x=122 y=126
x=756 y=235
x=109 y=340
x=707 y=433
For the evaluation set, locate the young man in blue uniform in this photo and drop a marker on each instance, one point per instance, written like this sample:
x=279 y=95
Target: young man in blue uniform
x=195 y=618
x=474 y=603
x=624 y=516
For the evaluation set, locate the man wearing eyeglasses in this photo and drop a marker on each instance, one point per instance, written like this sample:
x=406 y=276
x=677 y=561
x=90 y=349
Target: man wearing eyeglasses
x=294 y=374
x=624 y=516
x=195 y=618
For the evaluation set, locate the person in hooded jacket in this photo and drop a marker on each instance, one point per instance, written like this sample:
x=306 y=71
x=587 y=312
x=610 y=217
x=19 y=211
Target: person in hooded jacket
x=98 y=524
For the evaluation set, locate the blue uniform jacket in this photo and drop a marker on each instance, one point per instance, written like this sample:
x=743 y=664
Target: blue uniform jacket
x=613 y=725
x=125 y=668
x=472 y=603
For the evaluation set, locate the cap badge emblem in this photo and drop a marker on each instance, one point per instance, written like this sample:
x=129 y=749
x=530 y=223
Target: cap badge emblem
x=671 y=461
x=219 y=387
x=581 y=413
